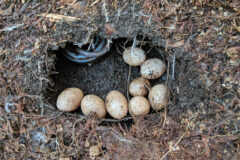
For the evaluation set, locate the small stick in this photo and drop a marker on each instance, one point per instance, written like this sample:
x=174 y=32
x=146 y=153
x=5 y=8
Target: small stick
x=170 y=150
x=167 y=72
x=173 y=65
x=118 y=51
x=95 y=2
x=83 y=117
x=123 y=47
x=117 y=120
x=130 y=67
x=10 y=28
x=24 y=7
x=145 y=84
x=40 y=19
x=105 y=11
x=165 y=116
x=73 y=130
x=134 y=43
x=128 y=81
x=159 y=51
x=91 y=45
x=226 y=109
x=125 y=43
x=142 y=41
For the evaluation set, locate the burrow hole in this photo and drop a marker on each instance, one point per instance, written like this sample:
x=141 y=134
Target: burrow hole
x=107 y=73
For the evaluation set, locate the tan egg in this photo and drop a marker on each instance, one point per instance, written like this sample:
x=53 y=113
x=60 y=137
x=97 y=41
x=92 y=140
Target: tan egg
x=159 y=96
x=92 y=103
x=116 y=104
x=139 y=106
x=139 y=87
x=153 y=68
x=69 y=99
x=134 y=56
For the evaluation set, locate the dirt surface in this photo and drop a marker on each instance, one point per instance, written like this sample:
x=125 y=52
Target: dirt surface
x=199 y=42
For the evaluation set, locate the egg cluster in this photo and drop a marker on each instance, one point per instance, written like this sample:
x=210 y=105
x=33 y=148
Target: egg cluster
x=116 y=103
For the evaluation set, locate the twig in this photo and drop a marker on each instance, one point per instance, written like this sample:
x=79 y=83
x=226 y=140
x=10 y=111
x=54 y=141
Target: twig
x=40 y=19
x=58 y=17
x=130 y=67
x=105 y=11
x=205 y=142
x=73 y=130
x=170 y=150
x=210 y=129
x=190 y=38
x=148 y=16
x=134 y=43
x=165 y=117
x=104 y=119
x=95 y=2
x=234 y=42
x=159 y=51
x=167 y=73
x=115 y=133
x=24 y=7
x=117 y=120
x=7 y=11
x=128 y=81
x=225 y=109
x=118 y=51
x=142 y=41
x=125 y=43
x=73 y=3
x=169 y=119
x=173 y=66
x=146 y=85
x=96 y=136
x=11 y=28
x=120 y=138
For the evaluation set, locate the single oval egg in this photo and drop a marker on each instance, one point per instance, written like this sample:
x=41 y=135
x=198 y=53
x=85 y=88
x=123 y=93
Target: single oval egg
x=134 y=56
x=69 y=99
x=139 y=86
x=116 y=104
x=139 y=106
x=152 y=68
x=159 y=96
x=92 y=103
